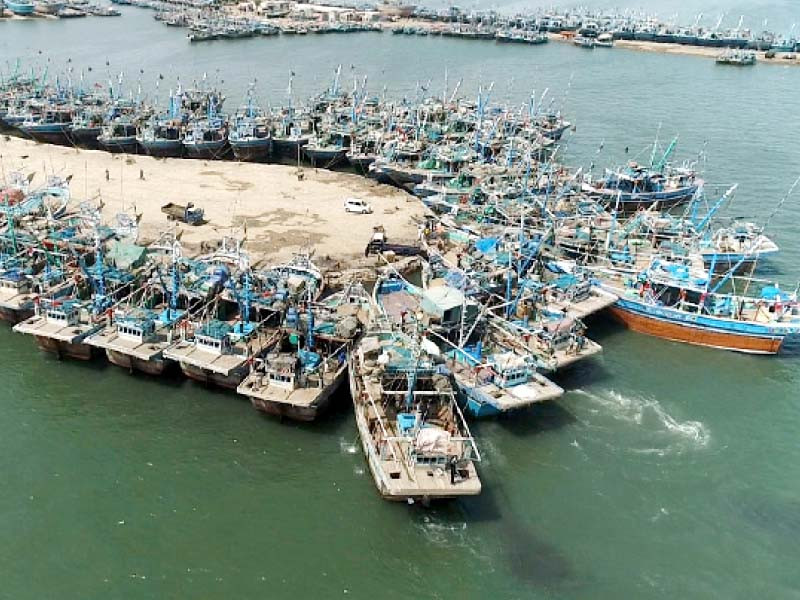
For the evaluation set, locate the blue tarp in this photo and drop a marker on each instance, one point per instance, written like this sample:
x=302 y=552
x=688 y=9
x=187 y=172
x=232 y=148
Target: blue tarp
x=486 y=245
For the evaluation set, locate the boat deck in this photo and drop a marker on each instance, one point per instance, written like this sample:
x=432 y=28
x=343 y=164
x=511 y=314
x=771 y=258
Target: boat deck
x=257 y=386
x=538 y=389
x=13 y=299
x=186 y=352
x=566 y=356
x=598 y=300
x=397 y=303
x=39 y=326
x=397 y=478
x=109 y=339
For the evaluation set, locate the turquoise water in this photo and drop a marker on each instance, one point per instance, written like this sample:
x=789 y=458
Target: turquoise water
x=666 y=471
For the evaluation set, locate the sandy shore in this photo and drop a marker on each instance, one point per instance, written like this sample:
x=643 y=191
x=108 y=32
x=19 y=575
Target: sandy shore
x=698 y=51
x=283 y=214
x=706 y=52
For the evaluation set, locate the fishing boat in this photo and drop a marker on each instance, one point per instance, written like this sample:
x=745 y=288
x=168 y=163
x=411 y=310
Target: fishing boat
x=206 y=138
x=521 y=37
x=148 y=321
x=289 y=138
x=670 y=300
x=86 y=127
x=51 y=126
x=119 y=136
x=584 y=42
x=61 y=326
x=20 y=7
x=298 y=378
x=325 y=151
x=604 y=40
x=250 y=137
x=415 y=439
x=161 y=137
x=49 y=7
x=741 y=245
x=24 y=280
x=638 y=186
x=737 y=57
x=62 y=323
x=491 y=383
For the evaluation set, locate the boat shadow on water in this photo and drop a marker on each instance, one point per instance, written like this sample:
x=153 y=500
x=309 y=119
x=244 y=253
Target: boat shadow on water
x=778 y=517
x=534 y=419
x=528 y=558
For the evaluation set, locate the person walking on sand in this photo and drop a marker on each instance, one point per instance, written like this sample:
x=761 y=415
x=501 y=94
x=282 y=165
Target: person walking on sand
x=108 y=176
x=141 y=174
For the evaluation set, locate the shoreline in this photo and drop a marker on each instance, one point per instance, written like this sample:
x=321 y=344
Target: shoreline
x=437 y=28
x=283 y=213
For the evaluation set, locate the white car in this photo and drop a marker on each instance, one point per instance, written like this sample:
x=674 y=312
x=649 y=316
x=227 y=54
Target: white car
x=355 y=205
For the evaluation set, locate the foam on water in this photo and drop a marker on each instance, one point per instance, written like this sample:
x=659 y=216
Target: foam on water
x=648 y=412
x=347 y=446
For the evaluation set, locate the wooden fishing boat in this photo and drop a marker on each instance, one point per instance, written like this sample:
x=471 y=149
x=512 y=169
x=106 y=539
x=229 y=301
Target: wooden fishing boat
x=669 y=302
x=415 y=438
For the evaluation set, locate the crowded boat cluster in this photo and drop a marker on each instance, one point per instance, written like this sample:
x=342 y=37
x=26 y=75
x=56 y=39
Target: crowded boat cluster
x=62 y=9
x=591 y=28
x=518 y=252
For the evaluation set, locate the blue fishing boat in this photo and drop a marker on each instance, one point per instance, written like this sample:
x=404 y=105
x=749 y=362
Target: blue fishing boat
x=250 y=137
x=207 y=137
x=638 y=186
x=671 y=300
x=491 y=383
x=51 y=126
x=119 y=135
x=19 y=7
x=162 y=135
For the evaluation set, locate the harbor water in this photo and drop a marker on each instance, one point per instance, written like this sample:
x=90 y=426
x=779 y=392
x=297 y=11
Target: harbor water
x=665 y=471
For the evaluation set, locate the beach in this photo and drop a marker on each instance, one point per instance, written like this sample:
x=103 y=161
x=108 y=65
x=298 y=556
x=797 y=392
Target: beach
x=283 y=213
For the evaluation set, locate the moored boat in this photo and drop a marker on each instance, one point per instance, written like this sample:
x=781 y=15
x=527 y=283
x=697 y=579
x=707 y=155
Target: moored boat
x=415 y=438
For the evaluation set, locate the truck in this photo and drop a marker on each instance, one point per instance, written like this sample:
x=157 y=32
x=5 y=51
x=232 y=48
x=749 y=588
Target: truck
x=379 y=244
x=185 y=214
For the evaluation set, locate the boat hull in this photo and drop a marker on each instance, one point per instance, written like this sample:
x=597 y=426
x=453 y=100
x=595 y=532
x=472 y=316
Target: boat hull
x=361 y=164
x=207 y=150
x=633 y=201
x=127 y=145
x=163 y=149
x=325 y=158
x=154 y=367
x=698 y=336
x=287 y=147
x=62 y=349
x=20 y=9
x=252 y=151
x=47 y=134
x=15 y=315
x=85 y=136
x=301 y=413
x=207 y=377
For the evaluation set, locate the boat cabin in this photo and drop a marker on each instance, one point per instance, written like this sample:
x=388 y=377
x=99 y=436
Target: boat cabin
x=13 y=283
x=214 y=338
x=281 y=370
x=509 y=370
x=65 y=314
x=136 y=329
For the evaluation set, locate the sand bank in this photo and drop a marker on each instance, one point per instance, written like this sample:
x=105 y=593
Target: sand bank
x=283 y=214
